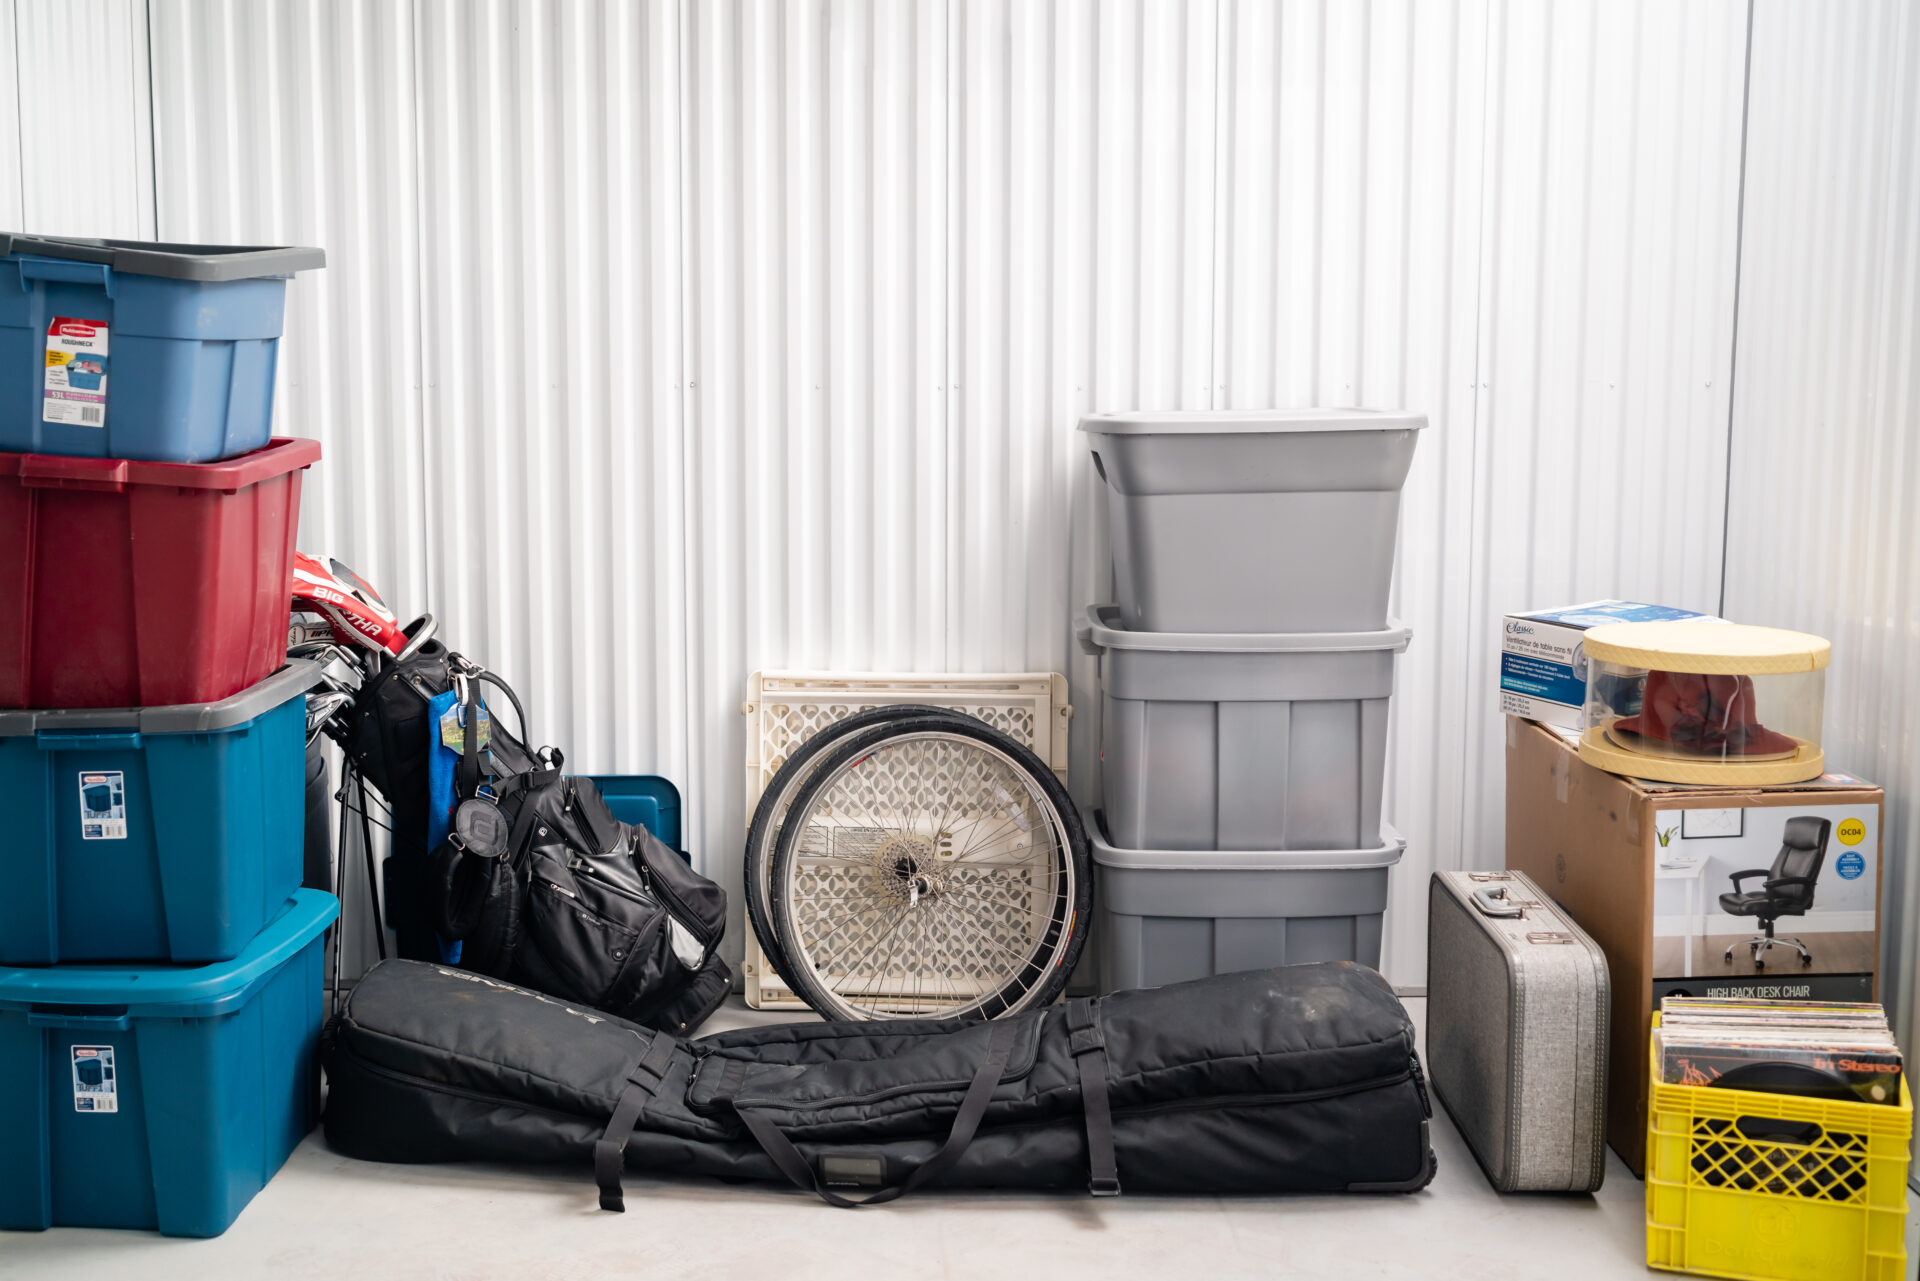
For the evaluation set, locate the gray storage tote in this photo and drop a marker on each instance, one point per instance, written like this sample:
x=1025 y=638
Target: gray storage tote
x=1273 y=520
x=1165 y=916
x=1238 y=742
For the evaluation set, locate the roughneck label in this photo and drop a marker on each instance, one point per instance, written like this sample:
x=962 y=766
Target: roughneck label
x=76 y=385
x=103 y=805
x=94 y=1089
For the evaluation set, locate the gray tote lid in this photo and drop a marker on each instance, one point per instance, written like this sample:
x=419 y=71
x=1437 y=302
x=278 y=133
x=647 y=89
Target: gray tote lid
x=162 y=258
x=296 y=678
x=1386 y=854
x=1232 y=422
x=1101 y=629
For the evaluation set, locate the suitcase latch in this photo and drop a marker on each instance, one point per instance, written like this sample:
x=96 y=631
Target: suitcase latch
x=1548 y=936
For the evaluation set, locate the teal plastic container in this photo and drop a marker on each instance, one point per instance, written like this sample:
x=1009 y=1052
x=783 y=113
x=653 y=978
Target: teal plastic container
x=160 y=1097
x=152 y=834
x=645 y=800
x=140 y=349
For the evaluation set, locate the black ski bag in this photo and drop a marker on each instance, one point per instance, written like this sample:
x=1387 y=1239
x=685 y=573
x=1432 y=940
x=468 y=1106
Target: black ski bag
x=1301 y=1079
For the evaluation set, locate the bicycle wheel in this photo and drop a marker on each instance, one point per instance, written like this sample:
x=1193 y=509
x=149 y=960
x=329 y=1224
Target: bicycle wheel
x=929 y=868
x=778 y=796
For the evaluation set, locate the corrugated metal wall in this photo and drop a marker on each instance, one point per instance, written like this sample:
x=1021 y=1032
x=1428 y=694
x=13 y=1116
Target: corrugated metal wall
x=663 y=342
x=76 y=139
x=1823 y=526
x=1520 y=218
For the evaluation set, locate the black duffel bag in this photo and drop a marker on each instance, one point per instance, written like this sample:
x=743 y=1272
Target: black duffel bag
x=1302 y=1079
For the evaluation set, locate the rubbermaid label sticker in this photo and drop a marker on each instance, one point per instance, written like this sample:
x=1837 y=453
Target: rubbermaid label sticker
x=103 y=805
x=76 y=379
x=94 y=1089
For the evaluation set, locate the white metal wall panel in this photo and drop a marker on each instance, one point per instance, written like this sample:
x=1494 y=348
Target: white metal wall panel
x=549 y=278
x=1521 y=220
x=1081 y=278
x=11 y=216
x=1349 y=229
x=84 y=146
x=292 y=123
x=1823 y=526
x=663 y=342
x=1605 y=334
x=815 y=242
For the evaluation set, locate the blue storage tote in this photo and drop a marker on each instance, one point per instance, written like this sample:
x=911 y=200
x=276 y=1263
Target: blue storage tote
x=152 y=834
x=140 y=349
x=160 y=1097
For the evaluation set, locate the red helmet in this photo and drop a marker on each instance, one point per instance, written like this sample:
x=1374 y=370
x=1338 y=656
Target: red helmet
x=354 y=612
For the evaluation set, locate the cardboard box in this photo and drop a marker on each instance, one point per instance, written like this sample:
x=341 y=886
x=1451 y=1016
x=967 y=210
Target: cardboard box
x=1543 y=671
x=1641 y=866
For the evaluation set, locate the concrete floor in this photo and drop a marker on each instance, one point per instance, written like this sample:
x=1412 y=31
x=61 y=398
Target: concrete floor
x=326 y=1216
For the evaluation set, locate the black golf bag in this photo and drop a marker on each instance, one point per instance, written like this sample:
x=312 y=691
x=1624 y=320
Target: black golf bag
x=537 y=881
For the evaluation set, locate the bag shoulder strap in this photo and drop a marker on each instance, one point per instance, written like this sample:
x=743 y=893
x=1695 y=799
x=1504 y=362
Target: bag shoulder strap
x=644 y=1080
x=966 y=1122
x=1087 y=1041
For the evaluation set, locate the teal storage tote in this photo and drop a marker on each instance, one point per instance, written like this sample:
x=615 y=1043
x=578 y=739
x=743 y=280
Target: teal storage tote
x=160 y=1097
x=645 y=800
x=140 y=349
x=152 y=834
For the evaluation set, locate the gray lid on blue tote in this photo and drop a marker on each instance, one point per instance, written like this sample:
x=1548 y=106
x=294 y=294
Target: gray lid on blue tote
x=164 y=258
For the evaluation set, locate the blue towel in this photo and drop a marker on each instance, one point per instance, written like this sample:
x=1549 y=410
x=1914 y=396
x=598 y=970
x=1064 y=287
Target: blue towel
x=440 y=763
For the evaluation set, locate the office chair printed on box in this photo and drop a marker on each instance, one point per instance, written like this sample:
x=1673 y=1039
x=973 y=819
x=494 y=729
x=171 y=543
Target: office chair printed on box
x=1787 y=889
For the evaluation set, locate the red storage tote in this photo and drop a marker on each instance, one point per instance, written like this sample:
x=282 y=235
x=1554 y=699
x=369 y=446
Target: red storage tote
x=138 y=584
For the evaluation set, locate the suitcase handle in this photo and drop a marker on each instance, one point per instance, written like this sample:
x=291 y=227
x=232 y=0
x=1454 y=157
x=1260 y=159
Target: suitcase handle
x=1493 y=901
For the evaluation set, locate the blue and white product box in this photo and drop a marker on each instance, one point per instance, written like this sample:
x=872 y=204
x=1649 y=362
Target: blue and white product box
x=1543 y=667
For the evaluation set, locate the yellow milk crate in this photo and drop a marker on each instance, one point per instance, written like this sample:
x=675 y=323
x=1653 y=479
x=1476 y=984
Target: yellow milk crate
x=1775 y=1187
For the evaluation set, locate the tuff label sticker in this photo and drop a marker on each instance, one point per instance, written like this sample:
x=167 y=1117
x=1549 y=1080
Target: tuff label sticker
x=103 y=805
x=94 y=1088
x=76 y=380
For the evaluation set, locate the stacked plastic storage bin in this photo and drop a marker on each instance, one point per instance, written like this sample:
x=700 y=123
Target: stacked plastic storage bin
x=160 y=986
x=1245 y=674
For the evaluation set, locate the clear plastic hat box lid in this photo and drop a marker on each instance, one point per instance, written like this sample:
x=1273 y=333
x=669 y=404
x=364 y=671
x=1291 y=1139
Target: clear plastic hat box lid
x=1705 y=702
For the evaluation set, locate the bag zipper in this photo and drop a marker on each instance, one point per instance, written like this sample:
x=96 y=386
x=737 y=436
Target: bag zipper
x=1295 y=1096
x=1420 y=1083
x=473 y=1096
x=1219 y=1103
x=575 y=863
x=676 y=906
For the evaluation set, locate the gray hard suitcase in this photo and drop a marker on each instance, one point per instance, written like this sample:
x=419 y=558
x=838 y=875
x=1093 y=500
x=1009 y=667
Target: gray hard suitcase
x=1517 y=1031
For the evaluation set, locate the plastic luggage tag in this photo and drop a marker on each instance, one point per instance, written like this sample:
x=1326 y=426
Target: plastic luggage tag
x=453 y=732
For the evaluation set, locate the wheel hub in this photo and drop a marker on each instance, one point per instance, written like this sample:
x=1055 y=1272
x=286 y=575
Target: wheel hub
x=907 y=868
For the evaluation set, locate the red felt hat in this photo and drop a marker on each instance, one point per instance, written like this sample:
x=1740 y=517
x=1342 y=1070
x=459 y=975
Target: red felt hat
x=1712 y=715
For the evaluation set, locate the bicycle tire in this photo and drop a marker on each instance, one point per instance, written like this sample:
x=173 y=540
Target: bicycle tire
x=774 y=801
x=1039 y=978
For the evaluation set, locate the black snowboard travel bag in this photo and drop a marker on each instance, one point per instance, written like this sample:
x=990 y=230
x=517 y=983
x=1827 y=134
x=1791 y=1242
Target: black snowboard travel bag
x=1301 y=1079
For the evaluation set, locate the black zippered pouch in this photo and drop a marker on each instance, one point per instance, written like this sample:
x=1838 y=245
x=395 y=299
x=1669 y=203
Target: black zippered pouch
x=1301 y=1079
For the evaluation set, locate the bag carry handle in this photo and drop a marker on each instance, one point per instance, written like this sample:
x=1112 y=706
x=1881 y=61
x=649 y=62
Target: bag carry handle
x=1493 y=901
x=966 y=1121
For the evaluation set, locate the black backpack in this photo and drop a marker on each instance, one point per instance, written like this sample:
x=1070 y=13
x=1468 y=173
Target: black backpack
x=537 y=880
